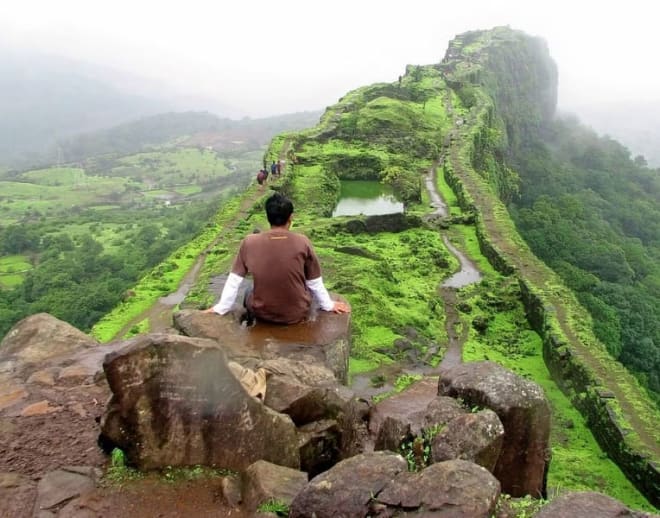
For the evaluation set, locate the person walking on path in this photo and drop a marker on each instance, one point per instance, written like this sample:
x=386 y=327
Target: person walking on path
x=285 y=270
x=261 y=177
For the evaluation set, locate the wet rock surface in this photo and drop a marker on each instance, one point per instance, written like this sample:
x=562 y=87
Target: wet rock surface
x=524 y=411
x=324 y=340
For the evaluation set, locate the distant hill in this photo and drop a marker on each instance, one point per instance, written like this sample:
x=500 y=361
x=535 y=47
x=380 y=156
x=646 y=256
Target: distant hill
x=44 y=98
x=199 y=129
x=635 y=124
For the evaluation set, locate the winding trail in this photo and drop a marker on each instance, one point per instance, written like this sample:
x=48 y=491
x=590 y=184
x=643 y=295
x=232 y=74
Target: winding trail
x=468 y=274
x=456 y=333
x=532 y=268
x=159 y=314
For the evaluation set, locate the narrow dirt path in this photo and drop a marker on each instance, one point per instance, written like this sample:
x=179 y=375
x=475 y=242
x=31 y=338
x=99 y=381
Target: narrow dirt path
x=468 y=273
x=159 y=314
x=535 y=271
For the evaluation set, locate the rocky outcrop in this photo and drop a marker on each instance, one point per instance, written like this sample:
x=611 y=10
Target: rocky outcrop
x=378 y=484
x=474 y=437
x=453 y=488
x=322 y=341
x=587 y=505
x=264 y=481
x=177 y=398
x=404 y=415
x=348 y=487
x=176 y=403
x=40 y=337
x=523 y=410
x=51 y=390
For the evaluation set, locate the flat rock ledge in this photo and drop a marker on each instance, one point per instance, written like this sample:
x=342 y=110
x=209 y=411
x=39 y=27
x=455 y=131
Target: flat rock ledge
x=324 y=340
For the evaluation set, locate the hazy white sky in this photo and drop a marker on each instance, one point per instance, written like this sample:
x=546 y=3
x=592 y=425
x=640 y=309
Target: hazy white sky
x=268 y=57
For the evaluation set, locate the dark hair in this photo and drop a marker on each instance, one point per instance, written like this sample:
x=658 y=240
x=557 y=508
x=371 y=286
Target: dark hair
x=278 y=209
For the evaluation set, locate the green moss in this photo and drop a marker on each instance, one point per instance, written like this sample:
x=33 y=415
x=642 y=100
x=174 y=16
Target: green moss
x=403 y=282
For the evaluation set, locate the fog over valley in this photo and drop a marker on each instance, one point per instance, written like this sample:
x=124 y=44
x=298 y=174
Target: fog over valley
x=76 y=66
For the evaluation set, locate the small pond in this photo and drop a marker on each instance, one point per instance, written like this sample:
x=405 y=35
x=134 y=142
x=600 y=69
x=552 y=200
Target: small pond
x=369 y=198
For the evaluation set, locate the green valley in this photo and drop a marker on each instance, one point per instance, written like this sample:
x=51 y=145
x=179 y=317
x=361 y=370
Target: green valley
x=560 y=223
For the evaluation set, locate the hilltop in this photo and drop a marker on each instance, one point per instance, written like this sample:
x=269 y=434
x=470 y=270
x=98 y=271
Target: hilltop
x=455 y=141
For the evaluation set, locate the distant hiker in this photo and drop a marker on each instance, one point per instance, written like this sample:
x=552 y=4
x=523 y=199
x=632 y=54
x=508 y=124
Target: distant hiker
x=285 y=270
x=273 y=168
x=261 y=177
x=278 y=168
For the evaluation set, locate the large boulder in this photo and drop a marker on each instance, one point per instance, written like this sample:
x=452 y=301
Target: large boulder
x=347 y=488
x=300 y=389
x=264 y=481
x=175 y=403
x=40 y=337
x=587 y=505
x=524 y=411
x=474 y=437
x=455 y=488
x=405 y=415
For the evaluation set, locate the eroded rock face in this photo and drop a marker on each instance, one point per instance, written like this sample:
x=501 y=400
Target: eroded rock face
x=473 y=437
x=348 y=487
x=524 y=411
x=587 y=505
x=455 y=488
x=176 y=403
x=405 y=415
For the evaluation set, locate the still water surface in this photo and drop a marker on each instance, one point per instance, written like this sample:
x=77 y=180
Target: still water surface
x=369 y=198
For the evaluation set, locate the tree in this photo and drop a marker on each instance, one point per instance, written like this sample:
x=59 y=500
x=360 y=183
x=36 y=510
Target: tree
x=406 y=184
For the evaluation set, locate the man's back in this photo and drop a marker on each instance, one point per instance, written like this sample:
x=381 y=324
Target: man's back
x=280 y=262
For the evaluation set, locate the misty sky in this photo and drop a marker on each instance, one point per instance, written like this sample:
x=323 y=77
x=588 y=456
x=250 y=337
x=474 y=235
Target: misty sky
x=270 y=57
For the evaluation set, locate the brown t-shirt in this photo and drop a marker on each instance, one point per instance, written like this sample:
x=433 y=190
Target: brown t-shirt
x=280 y=262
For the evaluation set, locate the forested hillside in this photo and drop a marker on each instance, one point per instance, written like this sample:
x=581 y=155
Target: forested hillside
x=74 y=239
x=194 y=128
x=580 y=201
x=44 y=98
x=593 y=214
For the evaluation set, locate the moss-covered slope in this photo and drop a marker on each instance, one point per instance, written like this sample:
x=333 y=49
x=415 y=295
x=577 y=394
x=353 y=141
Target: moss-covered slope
x=465 y=116
x=506 y=83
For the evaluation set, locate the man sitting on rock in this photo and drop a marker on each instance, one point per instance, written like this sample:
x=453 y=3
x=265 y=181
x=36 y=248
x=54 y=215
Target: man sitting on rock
x=285 y=270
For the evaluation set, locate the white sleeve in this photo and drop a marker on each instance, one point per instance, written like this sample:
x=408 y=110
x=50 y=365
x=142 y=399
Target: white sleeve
x=320 y=294
x=229 y=293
